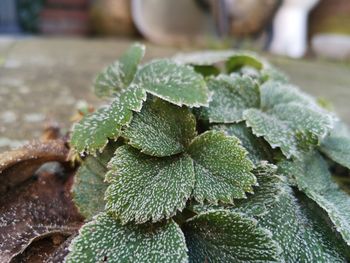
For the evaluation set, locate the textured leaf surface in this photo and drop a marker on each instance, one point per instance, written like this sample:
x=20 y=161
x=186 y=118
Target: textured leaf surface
x=93 y=131
x=146 y=188
x=275 y=132
x=301 y=232
x=88 y=192
x=120 y=74
x=337 y=145
x=178 y=84
x=223 y=236
x=313 y=177
x=231 y=96
x=275 y=92
x=292 y=127
x=89 y=187
x=222 y=168
x=106 y=240
x=256 y=147
x=161 y=128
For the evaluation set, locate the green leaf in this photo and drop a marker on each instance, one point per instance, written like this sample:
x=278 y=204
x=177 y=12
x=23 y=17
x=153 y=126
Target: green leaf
x=337 y=149
x=274 y=93
x=88 y=192
x=274 y=131
x=89 y=187
x=223 y=236
x=271 y=73
x=93 y=131
x=145 y=188
x=161 y=128
x=300 y=230
x=240 y=60
x=337 y=145
x=207 y=70
x=105 y=240
x=257 y=148
x=222 y=168
x=231 y=95
x=133 y=97
x=312 y=176
x=120 y=74
x=178 y=84
x=292 y=127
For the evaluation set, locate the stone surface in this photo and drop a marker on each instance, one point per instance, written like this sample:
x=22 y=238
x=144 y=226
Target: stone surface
x=44 y=79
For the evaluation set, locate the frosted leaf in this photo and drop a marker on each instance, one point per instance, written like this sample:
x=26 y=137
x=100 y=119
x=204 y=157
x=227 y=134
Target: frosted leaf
x=292 y=127
x=299 y=228
x=257 y=148
x=161 y=128
x=231 y=95
x=176 y=83
x=105 y=240
x=88 y=192
x=273 y=74
x=337 y=149
x=223 y=236
x=275 y=132
x=222 y=168
x=312 y=176
x=274 y=93
x=89 y=187
x=337 y=145
x=145 y=188
x=304 y=120
x=93 y=131
x=133 y=97
x=120 y=74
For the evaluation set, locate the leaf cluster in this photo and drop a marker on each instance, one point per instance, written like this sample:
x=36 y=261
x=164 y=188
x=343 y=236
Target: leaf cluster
x=208 y=157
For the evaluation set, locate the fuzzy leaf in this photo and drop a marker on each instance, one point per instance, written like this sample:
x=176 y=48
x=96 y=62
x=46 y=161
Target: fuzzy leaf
x=89 y=187
x=274 y=93
x=313 y=178
x=161 y=128
x=231 y=96
x=120 y=74
x=223 y=236
x=93 y=131
x=133 y=97
x=292 y=127
x=275 y=132
x=146 y=188
x=300 y=231
x=337 y=149
x=256 y=147
x=178 y=84
x=88 y=192
x=222 y=168
x=337 y=145
x=105 y=240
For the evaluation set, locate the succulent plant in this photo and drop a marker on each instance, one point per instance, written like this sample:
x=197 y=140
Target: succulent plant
x=209 y=157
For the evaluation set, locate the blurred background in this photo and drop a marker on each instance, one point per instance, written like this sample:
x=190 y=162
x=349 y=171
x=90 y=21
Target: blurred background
x=50 y=50
x=293 y=28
